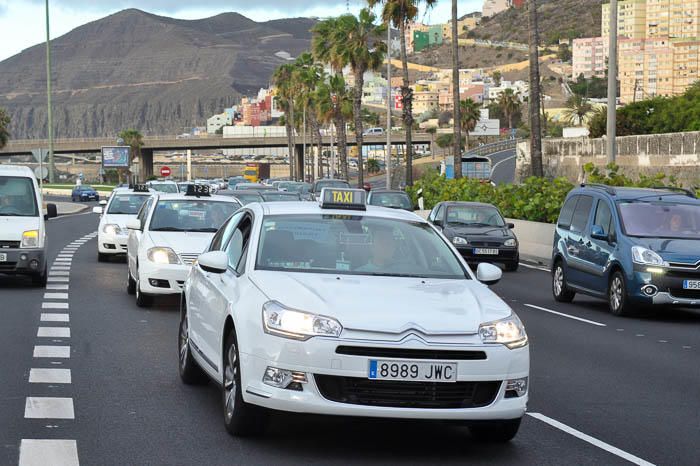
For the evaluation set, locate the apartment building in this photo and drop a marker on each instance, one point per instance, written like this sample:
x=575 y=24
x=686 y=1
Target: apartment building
x=631 y=19
x=589 y=57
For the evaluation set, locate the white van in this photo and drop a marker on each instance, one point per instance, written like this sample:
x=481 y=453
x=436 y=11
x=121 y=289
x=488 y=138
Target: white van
x=373 y=132
x=22 y=227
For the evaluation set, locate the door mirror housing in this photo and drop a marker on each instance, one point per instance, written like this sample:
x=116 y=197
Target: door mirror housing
x=213 y=261
x=598 y=233
x=51 y=211
x=437 y=222
x=133 y=225
x=510 y=225
x=97 y=210
x=488 y=274
x=103 y=202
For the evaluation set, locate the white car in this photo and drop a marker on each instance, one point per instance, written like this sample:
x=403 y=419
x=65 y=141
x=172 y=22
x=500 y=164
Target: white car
x=339 y=308
x=169 y=233
x=164 y=186
x=123 y=205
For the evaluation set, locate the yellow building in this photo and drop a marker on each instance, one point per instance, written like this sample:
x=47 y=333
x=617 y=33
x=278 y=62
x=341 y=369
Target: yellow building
x=631 y=19
x=425 y=101
x=685 y=64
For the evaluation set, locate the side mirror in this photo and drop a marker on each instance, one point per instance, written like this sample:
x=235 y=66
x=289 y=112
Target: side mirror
x=510 y=225
x=213 y=261
x=133 y=225
x=488 y=274
x=51 y=211
x=97 y=210
x=103 y=202
x=437 y=222
x=598 y=233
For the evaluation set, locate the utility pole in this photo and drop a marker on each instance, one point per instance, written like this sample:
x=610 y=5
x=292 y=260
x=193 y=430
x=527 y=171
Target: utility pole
x=612 y=84
x=48 y=95
x=303 y=155
x=387 y=158
x=456 y=118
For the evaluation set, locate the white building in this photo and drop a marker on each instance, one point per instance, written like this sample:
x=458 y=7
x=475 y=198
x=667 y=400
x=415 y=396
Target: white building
x=374 y=91
x=217 y=122
x=521 y=88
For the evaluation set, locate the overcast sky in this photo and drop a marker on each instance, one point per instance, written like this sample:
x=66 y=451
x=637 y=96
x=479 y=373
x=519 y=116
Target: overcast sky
x=22 y=21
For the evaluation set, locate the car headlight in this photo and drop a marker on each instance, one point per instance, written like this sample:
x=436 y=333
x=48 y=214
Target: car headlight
x=642 y=255
x=459 y=240
x=112 y=229
x=509 y=332
x=30 y=239
x=289 y=323
x=162 y=256
x=510 y=242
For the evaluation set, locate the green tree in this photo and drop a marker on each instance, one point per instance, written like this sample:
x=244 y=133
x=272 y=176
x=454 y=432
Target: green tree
x=4 y=128
x=282 y=79
x=359 y=43
x=497 y=76
x=309 y=74
x=470 y=113
x=334 y=103
x=400 y=13
x=134 y=139
x=372 y=166
x=577 y=109
x=598 y=122
x=509 y=104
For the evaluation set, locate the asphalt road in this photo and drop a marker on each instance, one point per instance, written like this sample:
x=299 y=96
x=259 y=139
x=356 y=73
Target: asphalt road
x=604 y=390
x=503 y=166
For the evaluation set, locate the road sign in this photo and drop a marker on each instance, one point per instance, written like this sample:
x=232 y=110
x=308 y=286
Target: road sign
x=486 y=128
x=41 y=172
x=398 y=102
x=116 y=156
x=165 y=171
x=40 y=154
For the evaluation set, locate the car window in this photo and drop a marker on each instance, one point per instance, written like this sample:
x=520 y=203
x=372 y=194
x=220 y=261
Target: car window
x=603 y=217
x=581 y=213
x=126 y=204
x=439 y=215
x=392 y=200
x=196 y=215
x=237 y=245
x=144 y=212
x=222 y=236
x=567 y=212
x=474 y=215
x=17 y=197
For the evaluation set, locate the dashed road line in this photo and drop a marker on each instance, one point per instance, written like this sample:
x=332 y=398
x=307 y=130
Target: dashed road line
x=58 y=279
x=50 y=305
x=54 y=287
x=48 y=407
x=50 y=376
x=49 y=317
x=55 y=295
x=53 y=332
x=35 y=452
x=580 y=319
x=535 y=267
x=61 y=352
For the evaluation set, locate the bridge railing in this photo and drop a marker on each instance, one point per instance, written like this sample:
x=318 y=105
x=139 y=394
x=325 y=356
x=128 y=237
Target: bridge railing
x=492 y=148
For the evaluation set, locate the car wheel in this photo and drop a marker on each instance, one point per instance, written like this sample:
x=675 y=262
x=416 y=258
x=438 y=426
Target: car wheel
x=512 y=266
x=618 y=301
x=40 y=279
x=190 y=372
x=102 y=257
x=130 y=282
x=142 y=299
x=240 y=418
x=560 y=290
x=72 y=198
x=495 y=431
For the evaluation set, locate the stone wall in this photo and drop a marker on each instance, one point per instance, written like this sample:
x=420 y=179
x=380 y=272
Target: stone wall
x=676 y=154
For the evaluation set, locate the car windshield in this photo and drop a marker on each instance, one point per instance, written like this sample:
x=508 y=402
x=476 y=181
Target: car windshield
x=330 y=184
x=301 y=188
x=276 y=196
x=126 y=204
x=165 y=187
x=660 y=219
x=17 y=197
x=248 y=198
x=355 y=245
x=191 y=215
x=474 y=215
x=392 y=200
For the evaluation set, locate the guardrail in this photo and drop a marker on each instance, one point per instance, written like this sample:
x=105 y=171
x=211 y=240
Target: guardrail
x=492 y=148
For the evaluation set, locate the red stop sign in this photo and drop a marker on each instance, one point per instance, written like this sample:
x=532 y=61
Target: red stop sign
x=165 y=171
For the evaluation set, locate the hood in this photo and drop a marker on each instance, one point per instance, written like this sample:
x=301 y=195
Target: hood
x=387 y=304
x=495 y=233
x=117 y=219
x=11 y=228
x=673 y=250
x=182 y=243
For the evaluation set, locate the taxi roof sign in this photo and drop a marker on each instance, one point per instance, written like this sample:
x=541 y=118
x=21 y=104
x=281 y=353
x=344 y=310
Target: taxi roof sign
x=343 y=198
x=198 y=190
x=140 y=188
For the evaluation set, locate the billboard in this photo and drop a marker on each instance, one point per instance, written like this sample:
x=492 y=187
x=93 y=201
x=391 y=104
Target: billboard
x=116 y=156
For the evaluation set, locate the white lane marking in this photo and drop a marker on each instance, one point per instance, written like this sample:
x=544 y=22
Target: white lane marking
x=493 y=169
x=58 y=279
x=60 y=273
x=535 y=267
x=55 y=295
x=39 y=407
x=57 y=287
x=53 y=332
x=56 y=268
x=566 y=315
x=50 y=317
x=49 y=376
x=52 y=352
x=54 y=305
x=40 y=452
x=593 y=441
x=65 y=255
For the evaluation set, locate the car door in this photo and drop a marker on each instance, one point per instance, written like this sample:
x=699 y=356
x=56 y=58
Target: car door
x=578 y=271
x=598 y=251
x=132 y=244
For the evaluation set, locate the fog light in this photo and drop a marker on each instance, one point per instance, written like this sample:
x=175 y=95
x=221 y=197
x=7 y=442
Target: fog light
x=282 y=378
x=516 y=388
x=650 y=290
x=34 y=264
x=23 y=257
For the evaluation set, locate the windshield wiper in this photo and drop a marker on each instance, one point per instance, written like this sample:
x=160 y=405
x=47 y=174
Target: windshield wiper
x=203 y=230
x=404 y=275
x=167 y=229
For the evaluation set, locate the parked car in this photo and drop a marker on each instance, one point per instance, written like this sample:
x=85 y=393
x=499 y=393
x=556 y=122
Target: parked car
x=327 y=183
x=373 y=132
x=478 y=231
x=84 y=193
x=279 y=196
x=244 y=197
x=632 y=247
x=393 y=199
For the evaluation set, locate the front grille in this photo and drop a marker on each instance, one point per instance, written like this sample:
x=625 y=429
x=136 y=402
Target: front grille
x=685 y=294
x=485 y=244
x=689 y=273
x=685 y=265
x=9 y=244
x=7 y=266
x=403 y=353
x=188 y=259
x=393 y=394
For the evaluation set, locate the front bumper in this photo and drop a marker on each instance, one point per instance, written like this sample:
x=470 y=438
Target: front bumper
x=162 y=279
x=668 y=287
x=505 y=254
x=23 y=261
x=318 y=357
x=111 y=244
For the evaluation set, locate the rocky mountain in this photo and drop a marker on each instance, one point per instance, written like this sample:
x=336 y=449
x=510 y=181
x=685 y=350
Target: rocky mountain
x=137 y=70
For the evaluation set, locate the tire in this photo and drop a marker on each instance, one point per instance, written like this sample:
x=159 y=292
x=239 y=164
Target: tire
x=130 y=282
x=618 y=300
x=142 y=299
x=102 y=257
x=72 y=198
x=495 y=431
x=240 y=418
x=512 y=266
x=560 y=291
x=190 y=372
x=40 y=279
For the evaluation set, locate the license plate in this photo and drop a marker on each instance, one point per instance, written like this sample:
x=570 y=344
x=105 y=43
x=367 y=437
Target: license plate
x=691 y=284
x=485 y=252
x=3 y=257
x=417 y=371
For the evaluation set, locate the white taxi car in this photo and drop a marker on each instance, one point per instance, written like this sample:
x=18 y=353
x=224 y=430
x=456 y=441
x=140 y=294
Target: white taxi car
x=345 y=309
x=123 y=205
x=166 y=237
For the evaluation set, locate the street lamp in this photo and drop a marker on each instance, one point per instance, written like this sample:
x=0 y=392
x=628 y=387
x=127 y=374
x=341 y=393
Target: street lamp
x=48 y=95
x=612 y=84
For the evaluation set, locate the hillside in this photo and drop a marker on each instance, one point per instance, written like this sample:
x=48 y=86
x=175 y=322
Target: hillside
x=470 y=56
x=135 y=69
x=557 y=19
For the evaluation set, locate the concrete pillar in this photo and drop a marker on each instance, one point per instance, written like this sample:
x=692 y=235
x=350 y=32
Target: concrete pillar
x=299 y=158
x=146 y=164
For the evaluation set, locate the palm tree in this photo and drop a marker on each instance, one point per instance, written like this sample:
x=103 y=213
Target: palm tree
x=456 y=104
x=359 y=43
x=309 y=74
x=333 y=104
x=282 y=79
x=577 y=109
x=400 y=13
x=509 y=103
x=534 y=99
x=134 y=139
x=470 y=113
x=4 y=131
